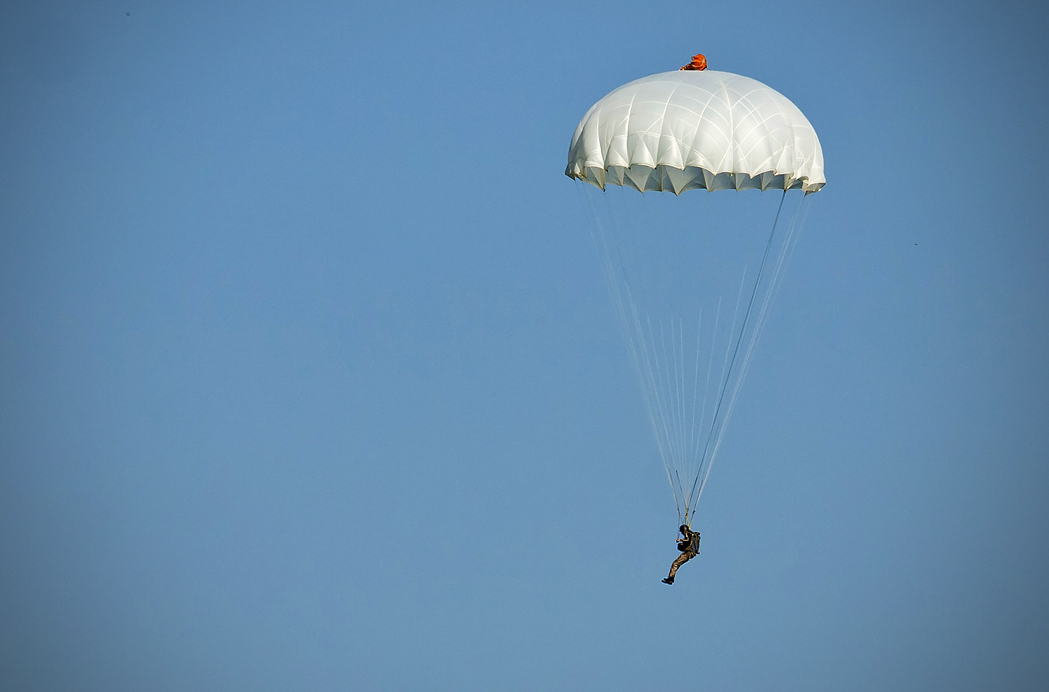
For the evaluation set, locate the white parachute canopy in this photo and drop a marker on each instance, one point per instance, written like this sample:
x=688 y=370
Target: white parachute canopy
x=686 y=130
x=693 y=277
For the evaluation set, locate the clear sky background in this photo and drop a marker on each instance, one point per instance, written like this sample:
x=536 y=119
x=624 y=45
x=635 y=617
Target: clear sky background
x=309 y=379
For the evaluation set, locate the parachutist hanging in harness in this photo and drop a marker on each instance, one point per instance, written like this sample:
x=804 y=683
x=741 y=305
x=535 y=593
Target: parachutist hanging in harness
x=688 y=544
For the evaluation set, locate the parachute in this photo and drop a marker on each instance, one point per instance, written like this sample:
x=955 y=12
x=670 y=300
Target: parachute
x=693 y=277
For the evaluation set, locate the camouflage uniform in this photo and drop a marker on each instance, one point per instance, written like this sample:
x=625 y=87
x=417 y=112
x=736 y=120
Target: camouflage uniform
x=689 y=547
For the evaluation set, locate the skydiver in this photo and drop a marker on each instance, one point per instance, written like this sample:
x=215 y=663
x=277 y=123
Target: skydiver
x=688 y=544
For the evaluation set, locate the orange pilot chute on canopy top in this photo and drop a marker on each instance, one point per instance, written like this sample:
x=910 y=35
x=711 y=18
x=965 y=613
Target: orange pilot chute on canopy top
x=699 y=62
x=693 y=315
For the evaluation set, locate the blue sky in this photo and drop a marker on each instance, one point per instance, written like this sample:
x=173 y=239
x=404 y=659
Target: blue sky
x=309 y=380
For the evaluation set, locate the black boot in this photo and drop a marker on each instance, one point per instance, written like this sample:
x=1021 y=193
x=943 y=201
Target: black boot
x=668 y=580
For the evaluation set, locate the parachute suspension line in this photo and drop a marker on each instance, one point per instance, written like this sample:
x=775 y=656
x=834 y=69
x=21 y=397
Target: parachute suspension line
x=790 y=242
x=701 y=481
x=687 y=441
x=710 y=366
x=695 y=383
x=653 y=376
x=638 y=349
x=683 y=387
x=659 y=365
x=670 y=370
x=792 y=235
x=723 y=382
x=679 y=491
x=774 y=283
x=675 y=356
x=697 y=460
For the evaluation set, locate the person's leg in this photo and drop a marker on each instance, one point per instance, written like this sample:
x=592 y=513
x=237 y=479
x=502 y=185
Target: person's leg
x=680 y=560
